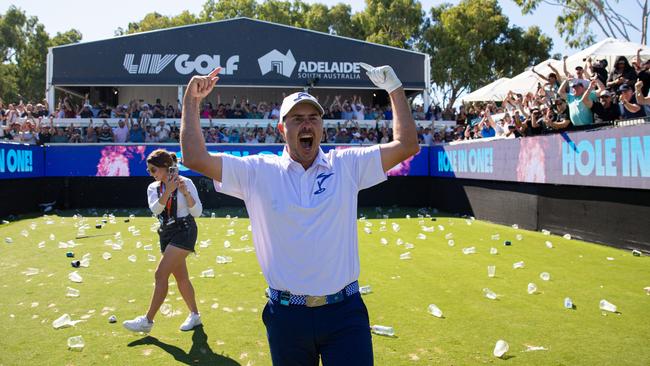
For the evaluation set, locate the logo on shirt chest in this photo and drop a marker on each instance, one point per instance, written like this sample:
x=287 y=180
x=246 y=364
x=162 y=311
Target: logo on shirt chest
x=320 y=180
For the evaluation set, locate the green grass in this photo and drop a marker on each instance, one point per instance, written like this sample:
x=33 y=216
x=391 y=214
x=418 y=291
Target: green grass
x=402 y=290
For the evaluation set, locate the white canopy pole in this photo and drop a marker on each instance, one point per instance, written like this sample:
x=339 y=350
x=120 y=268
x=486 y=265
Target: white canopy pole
x=49 y=88
x=427 y=83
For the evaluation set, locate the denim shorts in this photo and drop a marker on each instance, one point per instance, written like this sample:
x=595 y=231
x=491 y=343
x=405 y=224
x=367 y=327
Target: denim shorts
x=181 y=234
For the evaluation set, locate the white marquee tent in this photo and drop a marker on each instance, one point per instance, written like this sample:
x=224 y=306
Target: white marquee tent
x=480 y=94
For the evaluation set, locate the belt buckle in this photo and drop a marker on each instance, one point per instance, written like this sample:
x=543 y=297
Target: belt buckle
x=285 y=298
x=315 y=301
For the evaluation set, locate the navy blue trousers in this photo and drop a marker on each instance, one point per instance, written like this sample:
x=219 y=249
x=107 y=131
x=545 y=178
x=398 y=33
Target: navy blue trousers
x=339 y=334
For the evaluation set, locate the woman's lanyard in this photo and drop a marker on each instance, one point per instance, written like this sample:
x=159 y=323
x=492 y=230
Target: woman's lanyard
x=168 y=216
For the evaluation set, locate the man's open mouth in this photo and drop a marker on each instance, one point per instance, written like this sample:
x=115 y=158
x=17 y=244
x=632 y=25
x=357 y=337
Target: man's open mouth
x=306 y=140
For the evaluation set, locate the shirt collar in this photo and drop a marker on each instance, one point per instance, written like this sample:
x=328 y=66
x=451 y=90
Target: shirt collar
x=321 y=159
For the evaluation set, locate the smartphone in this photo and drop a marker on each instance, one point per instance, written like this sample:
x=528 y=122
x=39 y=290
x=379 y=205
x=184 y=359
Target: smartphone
x=173 y=170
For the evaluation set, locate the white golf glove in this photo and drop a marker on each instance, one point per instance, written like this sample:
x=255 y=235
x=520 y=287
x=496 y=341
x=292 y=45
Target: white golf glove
x=383 y=76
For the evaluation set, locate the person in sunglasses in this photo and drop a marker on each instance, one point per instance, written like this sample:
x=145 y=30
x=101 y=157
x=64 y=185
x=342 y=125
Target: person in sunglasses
x=175 y=200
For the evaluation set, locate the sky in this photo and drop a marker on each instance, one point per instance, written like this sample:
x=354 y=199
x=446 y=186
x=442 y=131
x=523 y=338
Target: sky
x=99 y=19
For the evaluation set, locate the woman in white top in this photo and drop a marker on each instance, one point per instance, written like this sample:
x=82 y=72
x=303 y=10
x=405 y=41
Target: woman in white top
x=174 y=199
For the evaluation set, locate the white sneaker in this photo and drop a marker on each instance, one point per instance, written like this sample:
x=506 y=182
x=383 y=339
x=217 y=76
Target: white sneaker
x=192 y=321
x=139 y=324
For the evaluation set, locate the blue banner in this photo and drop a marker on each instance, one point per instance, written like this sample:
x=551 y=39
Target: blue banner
x=612 y=157
x=21 y=161
x=130 y=160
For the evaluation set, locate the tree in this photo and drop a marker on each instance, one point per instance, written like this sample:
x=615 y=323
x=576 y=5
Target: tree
x=390 y=22
x=578 y=17
x=340 y=20
x=334 y=20
x=11 y=33
x=71 y=36
x=227 y=9
x=31 y=61
x=154 y=21
x=23 y=52
x=472 y=44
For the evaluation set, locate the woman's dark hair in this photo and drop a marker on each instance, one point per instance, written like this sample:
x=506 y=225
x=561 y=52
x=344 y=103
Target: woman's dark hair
x=162 y=158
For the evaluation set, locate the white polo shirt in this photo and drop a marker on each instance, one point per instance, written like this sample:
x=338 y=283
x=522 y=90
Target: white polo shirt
x=304 y=221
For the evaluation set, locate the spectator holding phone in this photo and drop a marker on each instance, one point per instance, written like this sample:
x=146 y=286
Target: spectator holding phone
x=177 y=232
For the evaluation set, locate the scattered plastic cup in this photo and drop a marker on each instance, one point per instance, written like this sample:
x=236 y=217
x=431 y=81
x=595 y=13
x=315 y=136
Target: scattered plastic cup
x=490 y=294
x=223 y=259
x=76 y=343
x=494 y=251
x=451 y=242
x=165 y=309
x=383 y=330
x=383 y=241
x=75 y=277
x=112 y=319
x=364 y=290
x=532 y=288
x=132 y=258
x=491 y=271
x=107 y=255
x=607 y=306
x=517 y=265
x=469 y=250
x=549 y=245
x=636 y=253
x=545 y=276
x=500 y=348
x=567 y=236
x=63 y=321
x=208 y=273
x=31 y=271
x=435 y=311
x=406 y=255
x=71 y=292
x=568 y=303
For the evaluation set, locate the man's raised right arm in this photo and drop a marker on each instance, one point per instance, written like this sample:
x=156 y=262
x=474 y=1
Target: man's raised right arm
x=195 y=154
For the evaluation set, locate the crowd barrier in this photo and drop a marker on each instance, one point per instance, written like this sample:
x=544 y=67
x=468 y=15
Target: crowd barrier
x=612 y=157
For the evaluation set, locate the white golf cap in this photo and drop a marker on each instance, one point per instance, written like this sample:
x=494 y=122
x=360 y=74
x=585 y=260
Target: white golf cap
x=300 y=97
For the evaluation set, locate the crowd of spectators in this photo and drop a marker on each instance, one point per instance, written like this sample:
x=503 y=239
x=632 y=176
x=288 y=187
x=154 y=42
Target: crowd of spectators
x=588 y=96
x=141 y=122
